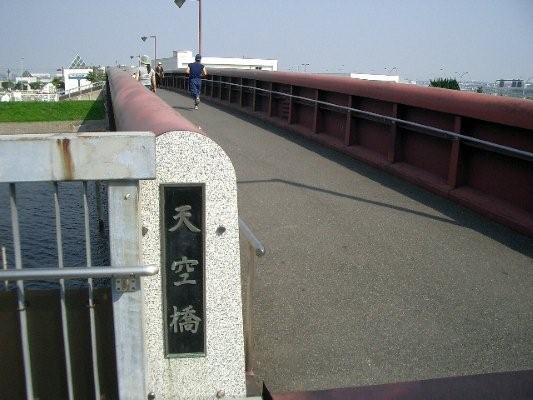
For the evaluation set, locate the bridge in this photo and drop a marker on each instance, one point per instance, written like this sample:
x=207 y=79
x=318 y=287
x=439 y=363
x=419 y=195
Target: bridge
x=368 y=279
x=381 y=266
x=361 y=265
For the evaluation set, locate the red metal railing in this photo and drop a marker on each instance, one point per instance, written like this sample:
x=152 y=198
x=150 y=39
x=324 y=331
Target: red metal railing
x=474 y=149
x=135 y=108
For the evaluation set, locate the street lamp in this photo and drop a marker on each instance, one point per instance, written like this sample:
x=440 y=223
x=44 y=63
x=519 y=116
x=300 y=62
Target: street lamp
x=179 y=3
x=525 y=84
x=155 y=46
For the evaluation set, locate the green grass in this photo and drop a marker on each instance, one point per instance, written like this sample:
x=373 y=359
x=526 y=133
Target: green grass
x=52 y=111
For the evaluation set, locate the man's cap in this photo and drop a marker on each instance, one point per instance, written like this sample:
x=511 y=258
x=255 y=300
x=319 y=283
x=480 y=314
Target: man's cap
x=145 y=60
x=198 y=57
x=159 y=62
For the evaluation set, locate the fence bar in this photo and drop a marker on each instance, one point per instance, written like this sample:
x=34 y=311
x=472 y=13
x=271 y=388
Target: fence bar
x=64 y=319
x=99 y=209
x=4 y=266
x=54 y=274
x=91 y=294
x=20 y=294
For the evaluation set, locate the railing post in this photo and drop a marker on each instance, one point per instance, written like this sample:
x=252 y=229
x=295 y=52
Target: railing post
x=348 y=137
x=394 y=142
x=127 y=305
x=454 y=171
x=316 y=112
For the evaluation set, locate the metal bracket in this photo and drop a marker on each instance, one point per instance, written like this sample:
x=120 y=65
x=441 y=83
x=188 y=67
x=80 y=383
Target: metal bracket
x=130 y=284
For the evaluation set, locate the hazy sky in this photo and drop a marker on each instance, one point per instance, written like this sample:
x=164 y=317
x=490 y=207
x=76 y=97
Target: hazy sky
x=419 y=39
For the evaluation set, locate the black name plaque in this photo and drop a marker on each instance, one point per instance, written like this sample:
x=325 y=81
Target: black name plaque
x=183 y=226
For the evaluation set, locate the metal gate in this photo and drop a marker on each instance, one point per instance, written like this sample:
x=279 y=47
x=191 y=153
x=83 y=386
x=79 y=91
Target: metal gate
x=72 y=328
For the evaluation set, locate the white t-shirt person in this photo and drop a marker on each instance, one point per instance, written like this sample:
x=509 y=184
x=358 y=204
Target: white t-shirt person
x=145 y=74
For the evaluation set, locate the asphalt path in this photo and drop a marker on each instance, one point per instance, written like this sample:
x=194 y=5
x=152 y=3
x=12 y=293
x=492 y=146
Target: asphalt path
x=367 y=279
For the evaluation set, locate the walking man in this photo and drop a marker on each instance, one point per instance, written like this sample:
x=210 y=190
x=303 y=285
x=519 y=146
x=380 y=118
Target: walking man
x=196 y=71
x=159 y=74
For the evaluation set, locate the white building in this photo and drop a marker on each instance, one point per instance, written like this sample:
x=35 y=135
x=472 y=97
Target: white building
x=75 y=78
x=49 y=88
x=181 y=58
x=376 y=77
x=75 y=75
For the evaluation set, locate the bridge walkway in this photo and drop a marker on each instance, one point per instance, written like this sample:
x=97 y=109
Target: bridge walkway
x=367 y=279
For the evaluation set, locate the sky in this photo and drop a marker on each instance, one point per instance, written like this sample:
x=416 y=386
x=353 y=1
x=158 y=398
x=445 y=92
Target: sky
x=474 y=40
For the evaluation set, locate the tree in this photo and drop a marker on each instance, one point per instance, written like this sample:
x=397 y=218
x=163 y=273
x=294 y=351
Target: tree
x=96 y=75
x=7 y=85
x=446 y=83
x=58 y=82
x=36 y=85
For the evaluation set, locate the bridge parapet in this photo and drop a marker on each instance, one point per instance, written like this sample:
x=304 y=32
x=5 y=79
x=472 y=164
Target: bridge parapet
x=193 y=310
x=471 y=148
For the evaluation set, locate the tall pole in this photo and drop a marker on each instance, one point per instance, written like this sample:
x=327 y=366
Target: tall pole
x=200 y=26
x=155 y=51
x=179 y=3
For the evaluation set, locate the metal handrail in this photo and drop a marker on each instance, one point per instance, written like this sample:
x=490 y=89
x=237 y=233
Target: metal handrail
x=425 y=129
x=418 y=127
x=52 y=274
x=252 y=239
x=256 y=249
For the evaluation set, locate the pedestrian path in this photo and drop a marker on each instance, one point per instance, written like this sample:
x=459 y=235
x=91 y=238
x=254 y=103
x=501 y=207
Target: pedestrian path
x=367 y=279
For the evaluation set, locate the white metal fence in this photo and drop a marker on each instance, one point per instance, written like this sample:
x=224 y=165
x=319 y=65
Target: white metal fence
x=36 y=95
x=121 y=160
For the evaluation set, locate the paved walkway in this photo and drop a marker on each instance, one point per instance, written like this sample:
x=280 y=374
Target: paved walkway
x=367 y=279
x=16 y=128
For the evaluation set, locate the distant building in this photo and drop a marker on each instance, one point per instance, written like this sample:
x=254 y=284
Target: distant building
x=49 y=88
x=181 y=58
x=25 y=79
x=75 y=75
x=376 y=77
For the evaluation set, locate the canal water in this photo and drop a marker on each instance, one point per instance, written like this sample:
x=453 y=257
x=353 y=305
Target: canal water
x=37 y=226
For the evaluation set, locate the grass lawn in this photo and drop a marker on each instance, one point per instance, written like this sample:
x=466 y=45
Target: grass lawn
x=52 y=111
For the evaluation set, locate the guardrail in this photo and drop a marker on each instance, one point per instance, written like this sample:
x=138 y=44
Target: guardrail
x=72 y=354
x=85 y=89
x=471 y=148
x=28 y=95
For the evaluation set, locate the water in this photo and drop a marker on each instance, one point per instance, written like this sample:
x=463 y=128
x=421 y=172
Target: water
x=37 y=225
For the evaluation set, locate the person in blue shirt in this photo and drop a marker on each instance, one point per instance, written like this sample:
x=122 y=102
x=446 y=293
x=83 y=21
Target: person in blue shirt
x=196 y=71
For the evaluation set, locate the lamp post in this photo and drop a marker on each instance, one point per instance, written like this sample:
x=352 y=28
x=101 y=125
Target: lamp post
x=155 y=46
x=179 y=3
x=525 y=84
